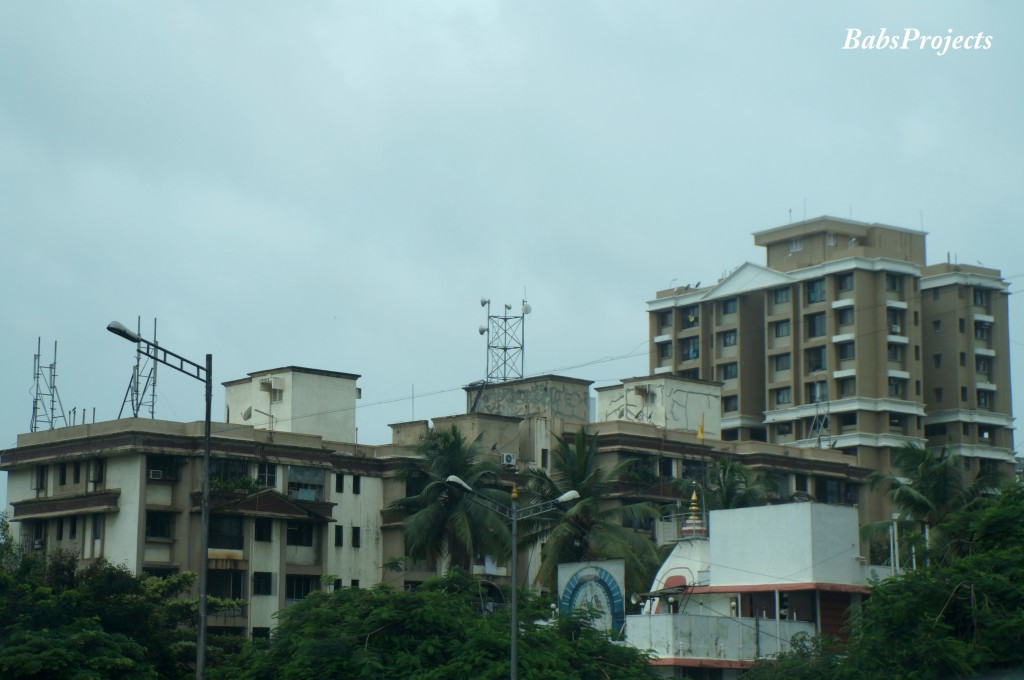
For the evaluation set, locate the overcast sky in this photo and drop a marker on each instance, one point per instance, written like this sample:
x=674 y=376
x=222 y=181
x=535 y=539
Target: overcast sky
x=336 y=184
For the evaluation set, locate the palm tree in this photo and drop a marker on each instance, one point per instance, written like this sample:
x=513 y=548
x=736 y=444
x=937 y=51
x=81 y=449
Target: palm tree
x=730 y=484
x=931 y=485
x=441 y=521
x=591 y=528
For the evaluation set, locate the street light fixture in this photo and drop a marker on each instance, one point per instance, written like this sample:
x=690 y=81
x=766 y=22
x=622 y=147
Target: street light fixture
x=203 y=374
x=514 y=513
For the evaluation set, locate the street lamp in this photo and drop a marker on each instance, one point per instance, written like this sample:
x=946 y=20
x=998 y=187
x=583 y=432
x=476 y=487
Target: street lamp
x=203 y=374
x=513 y=513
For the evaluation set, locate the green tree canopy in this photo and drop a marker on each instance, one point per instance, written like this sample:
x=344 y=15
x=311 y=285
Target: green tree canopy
x=436 y=633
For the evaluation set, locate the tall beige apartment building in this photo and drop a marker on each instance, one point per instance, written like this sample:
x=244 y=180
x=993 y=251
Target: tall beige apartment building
x=846 y=339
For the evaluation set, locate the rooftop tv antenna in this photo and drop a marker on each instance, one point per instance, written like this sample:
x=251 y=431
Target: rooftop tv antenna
x=141 y=392
x=505 y=342
x=46 y=406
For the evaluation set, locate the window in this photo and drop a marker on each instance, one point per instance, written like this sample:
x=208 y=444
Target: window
x=98 y=468
x=981 y=297
x=263 y=529
x=782 y=328
x=260 y=632
x=783 y=362
x=162 y=467
x=917 y=388
x=815 y=291
x=937 y=359
x=76 y=474
x=963 y=358
x=40 y=478
x=228 y=471
x=895 y=387
x=665 y=466
x=356 y=483
x=938 y=395
x=339 y=536
x=845 y=316
x=225 y=532
x=298 y=586
x=226 y=583
x=783 y=395
x=60 y=528
x=664 y=319
x=893 y=283
x=62 y=473
x=729 y=306
x=917 y=352
x=731 y=403
x=816 y=325
x=783 y=429
x=848 y=419
x=356 y=537
x=917 y=318
x=816 y=392
x=691 y=317
x=847 y=350
x=937 y=325
x=300 y=533
x=981 y=364
x=72 y=527
x=963 y=393
x=796 y=245
x=830 y=238
x=982 y=331
x=844 y=281
x=664 y=350
x=690 y=348
x=97 y=526
x=305 y=483
x=159 y=524
x=967 y=429
x=895 y=352
x=728 y=371
x=276 y=396
x=781 y=295
x=728 y=339
x=266 y=475
x=962 y=325
x=355 y=583
x=985 y=399
x=936 y=293
x=816 y=359
x=544 y=458
x=339 y=483
x=935 y=430
x=847 y=387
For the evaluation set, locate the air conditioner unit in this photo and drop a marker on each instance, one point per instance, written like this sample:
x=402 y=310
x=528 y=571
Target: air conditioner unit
x=156 y=474
x=507 y=459
x=895 y=328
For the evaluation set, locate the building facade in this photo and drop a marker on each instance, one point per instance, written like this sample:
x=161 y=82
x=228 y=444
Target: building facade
x=846 y=339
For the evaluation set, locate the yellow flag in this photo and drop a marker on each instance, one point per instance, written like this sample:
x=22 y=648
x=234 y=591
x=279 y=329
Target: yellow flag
x=700 y=428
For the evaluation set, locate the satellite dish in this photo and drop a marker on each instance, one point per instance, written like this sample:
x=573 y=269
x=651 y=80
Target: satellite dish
x=482 y=330
x=635 y=598
x=527 y=308
x=247 y=413
x=484 y=302
x=507 y=307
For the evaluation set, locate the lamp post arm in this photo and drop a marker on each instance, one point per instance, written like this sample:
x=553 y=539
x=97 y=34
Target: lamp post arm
x=175 y=361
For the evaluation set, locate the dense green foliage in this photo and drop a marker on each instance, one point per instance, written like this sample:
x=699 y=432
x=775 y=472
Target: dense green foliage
x=436 y=632
x=730 y=484
x=442 y=521
x=959 y=615
x=97 y=622
x=590 y=528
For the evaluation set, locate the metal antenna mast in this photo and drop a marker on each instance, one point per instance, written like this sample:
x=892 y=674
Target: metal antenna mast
x=505 y=342
x=821 y=425
x=141 y=390
x=46 y=406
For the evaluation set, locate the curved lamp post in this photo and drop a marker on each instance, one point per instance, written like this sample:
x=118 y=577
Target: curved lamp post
x=514 y=513
x=203 y=374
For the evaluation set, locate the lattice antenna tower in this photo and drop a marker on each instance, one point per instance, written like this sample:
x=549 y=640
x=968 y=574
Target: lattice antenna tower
x=46 y=407
x=141 y=392
x=821 y=424
x=506 y=334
